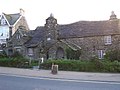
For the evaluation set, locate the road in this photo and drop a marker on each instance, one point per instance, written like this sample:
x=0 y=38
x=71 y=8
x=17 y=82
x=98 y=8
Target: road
x=15 y=82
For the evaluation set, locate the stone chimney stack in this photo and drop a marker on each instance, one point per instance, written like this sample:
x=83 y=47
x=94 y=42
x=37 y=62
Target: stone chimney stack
x=113 y=16
x=22 y=12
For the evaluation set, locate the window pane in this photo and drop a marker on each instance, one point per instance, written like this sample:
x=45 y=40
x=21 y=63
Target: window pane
x=107 y=40
x=101 y=54
x=30 y=51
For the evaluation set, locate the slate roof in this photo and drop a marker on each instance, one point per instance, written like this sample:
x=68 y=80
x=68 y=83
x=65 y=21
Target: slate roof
x=89 y=28
x=12 y=18
x=37 y=37
x=76 y=30
x=31 y=33
x=71 y=45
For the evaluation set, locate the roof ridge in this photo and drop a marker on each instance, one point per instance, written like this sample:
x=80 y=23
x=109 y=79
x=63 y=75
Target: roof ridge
x=10 y=13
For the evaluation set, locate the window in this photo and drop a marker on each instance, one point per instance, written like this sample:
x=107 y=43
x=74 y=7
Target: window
x=1 y=34
x=18 y=36
x=3 y=22
x=2 y=40
x=101 y=54
x=30 y=51
x=4 y=32
x=107 y=40
x=18 y=49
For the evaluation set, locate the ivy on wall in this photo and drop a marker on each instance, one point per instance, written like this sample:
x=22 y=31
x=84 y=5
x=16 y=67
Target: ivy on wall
x=72 y=54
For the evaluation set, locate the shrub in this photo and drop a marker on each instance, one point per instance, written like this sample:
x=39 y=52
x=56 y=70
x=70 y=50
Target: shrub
x=113 y=55
x=88 y=66
x=72 y=54
x=3 y=54
x=14 y=62
x=17 y=55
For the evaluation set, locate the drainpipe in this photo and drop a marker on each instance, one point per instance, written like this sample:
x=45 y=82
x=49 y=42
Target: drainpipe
x=10 y=31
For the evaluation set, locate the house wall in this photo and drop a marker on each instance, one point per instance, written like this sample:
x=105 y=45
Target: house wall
x=17 y=43
x=21 y=22
x=4 y=33
x=91 y=45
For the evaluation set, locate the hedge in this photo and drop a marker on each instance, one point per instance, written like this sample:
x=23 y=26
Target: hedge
x=14 y=62
x=86 y=66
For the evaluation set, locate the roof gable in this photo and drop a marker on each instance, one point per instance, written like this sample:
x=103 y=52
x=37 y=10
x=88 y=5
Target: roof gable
x=37 y=37
x=12 y=18
x=3 y=17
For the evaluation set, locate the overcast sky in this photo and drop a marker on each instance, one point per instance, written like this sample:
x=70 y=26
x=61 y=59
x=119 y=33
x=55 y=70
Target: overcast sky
x=65 y=11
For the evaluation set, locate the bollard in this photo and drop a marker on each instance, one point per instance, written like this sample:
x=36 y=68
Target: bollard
x=54 y=69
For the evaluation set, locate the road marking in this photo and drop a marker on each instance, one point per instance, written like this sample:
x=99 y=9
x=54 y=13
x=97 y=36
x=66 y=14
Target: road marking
x=58 y=79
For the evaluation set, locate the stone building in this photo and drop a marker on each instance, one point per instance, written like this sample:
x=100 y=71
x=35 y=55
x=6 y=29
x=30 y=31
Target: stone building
x=86 y=38
x=9 y=23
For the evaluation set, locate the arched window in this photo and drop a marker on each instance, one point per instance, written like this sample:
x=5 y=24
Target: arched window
x=60 y=54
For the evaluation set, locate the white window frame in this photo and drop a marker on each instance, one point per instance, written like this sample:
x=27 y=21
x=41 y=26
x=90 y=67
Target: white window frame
x=2 y=41
x=18 y=36
x=108 y=40
x=101 y=54
x=3 y=22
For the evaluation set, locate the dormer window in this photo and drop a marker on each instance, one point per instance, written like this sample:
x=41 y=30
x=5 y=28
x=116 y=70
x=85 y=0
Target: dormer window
x=107 y=40
x=3 y=22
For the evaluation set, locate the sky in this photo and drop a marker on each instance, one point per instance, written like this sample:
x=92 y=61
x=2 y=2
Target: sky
x=65 y=11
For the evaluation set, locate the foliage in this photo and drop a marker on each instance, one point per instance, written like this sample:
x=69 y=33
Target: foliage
x=3 y=54
x=14 y=62
x=87 y=66
x=17 y=54
x=71 y=54
x=113 y=55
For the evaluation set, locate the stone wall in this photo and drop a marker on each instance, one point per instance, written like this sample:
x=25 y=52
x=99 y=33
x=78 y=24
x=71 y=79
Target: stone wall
x=91 y=45
x=21 y=22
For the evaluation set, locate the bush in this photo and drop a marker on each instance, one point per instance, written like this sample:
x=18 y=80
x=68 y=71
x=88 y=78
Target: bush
x=71 y=54
x=3 y=54
x=87 y=66
x=14 y=62
x=113 y=55
x=16 y=55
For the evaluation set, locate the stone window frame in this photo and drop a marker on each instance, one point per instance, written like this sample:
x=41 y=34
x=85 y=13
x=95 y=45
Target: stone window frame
x=108 y=40
x=30 y=51
x=18 y=49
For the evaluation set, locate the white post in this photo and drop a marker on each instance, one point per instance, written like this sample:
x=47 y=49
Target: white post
x=42 y=60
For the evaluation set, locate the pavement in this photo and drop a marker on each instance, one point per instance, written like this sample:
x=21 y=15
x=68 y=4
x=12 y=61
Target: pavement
x=69 y=75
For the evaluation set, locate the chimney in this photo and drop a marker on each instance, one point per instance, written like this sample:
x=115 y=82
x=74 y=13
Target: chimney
x=22 y=12
x=113 y=16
